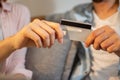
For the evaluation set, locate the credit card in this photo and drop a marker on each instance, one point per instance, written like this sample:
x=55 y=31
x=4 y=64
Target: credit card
x=77 y=31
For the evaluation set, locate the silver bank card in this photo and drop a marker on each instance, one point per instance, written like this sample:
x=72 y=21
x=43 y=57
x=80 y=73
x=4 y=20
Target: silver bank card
x=76 y=31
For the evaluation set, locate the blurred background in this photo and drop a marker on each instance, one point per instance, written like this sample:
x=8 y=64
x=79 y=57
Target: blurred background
x=46 y=7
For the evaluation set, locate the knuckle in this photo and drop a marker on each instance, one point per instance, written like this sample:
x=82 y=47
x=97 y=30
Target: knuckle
x=106 y=27
x=97 y=41
x=36 y=20
x=103 y=46
x=31 y=25
x=46 y=36
x=112 y=31
x=116 y=38
x=56 y=25
x=37 y=39
x=52 y=32
x=94 y=33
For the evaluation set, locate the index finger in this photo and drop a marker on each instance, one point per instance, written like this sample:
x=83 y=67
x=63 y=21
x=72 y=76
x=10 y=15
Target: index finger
x=57 y=29
x=93 y=36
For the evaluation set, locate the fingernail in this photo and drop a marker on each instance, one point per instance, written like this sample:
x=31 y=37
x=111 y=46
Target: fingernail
x=61 y=41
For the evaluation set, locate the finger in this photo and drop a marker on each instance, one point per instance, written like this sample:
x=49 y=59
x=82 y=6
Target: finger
x=58 y=30
x=51 y=33
x=109 y=29
x=42 y=33
x=93 y=35
x=34 y=37
x=114 y=48
x=98 y=40
x=48 y=29
x=108 y=42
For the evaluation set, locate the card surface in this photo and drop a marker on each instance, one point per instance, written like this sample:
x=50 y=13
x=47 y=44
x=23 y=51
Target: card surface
x=76 y=31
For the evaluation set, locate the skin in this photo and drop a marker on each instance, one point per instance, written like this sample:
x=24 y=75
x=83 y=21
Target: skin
x=105 y=38
x=13 y=77
x=38 y=33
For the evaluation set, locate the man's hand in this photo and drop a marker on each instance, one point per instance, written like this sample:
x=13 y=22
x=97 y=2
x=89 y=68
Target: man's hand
x=104 y=38
x=38 y=33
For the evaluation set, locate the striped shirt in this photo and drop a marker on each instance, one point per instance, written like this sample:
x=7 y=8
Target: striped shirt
x=13 y=18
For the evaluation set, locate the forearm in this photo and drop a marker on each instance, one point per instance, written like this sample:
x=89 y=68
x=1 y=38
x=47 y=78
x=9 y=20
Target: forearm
x=18 y=77
x=6 y=48
x=13 y=77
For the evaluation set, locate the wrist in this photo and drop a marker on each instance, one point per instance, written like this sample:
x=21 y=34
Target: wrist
x=7 y=47
x=12 y=43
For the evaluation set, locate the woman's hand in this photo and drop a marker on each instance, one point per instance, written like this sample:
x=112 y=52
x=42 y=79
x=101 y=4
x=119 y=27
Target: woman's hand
x=104 y=38
x=13 y=77
x=38 y=33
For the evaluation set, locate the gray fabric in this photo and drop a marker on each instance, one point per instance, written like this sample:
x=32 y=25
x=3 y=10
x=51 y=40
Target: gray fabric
x=81 y=13
x=84 y=57
x=56 y=63
x=69 y=61
x=48 y=64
